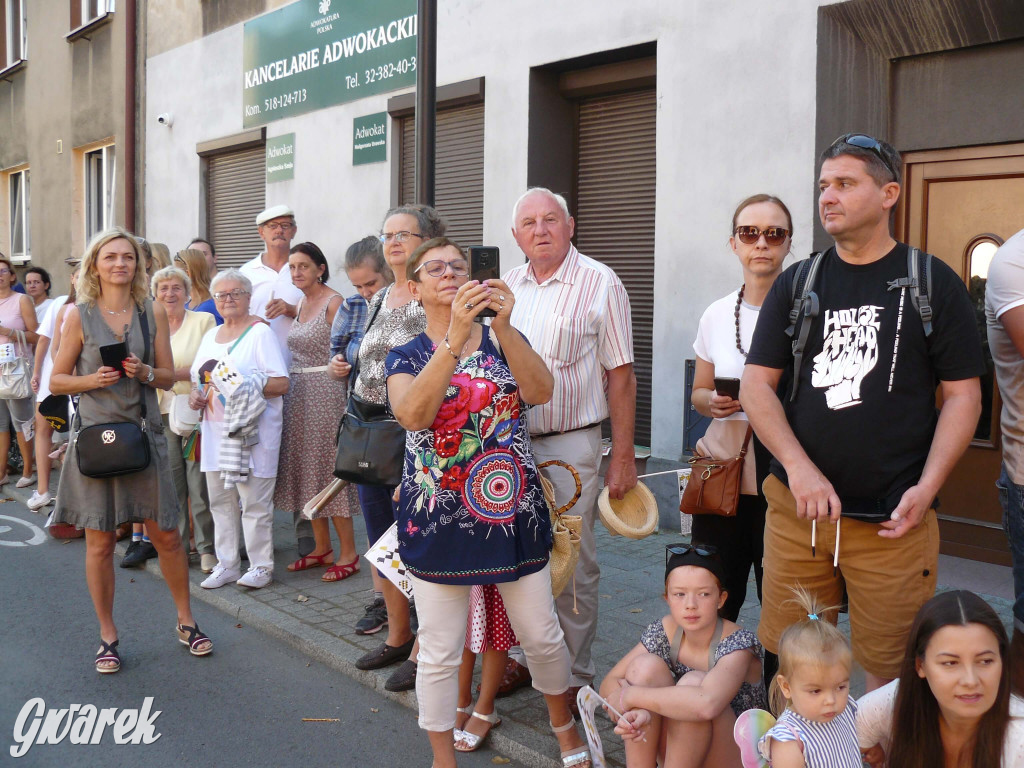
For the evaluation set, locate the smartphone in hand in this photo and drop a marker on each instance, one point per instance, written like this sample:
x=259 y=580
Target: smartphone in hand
x=484 y=265
x=114 y=355
x=725 y=385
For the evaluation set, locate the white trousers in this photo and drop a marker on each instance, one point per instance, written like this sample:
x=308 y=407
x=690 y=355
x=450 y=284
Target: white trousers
x=443 y=611
x=581 y=449
x=255 y=522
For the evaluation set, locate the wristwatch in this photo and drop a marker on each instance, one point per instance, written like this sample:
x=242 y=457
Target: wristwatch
x=151 y=376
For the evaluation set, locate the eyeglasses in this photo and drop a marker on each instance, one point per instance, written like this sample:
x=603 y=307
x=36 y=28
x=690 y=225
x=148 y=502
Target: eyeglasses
x=234 y=295
x=863 y=141
x=704 y=550
x=772 y=235
x=437 y=267
x=398 y=237
x=178 y=259
x=277 y=226
x=5 y=271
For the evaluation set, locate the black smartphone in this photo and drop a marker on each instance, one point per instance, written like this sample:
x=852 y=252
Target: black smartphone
x=484 y=265
x=114 y=355
x=727 y=386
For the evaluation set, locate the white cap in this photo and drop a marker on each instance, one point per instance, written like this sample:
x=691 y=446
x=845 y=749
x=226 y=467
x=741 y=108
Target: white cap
x=274 y=212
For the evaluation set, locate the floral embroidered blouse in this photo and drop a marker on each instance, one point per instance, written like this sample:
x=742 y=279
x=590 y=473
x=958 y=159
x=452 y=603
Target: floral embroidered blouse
x=472 y=509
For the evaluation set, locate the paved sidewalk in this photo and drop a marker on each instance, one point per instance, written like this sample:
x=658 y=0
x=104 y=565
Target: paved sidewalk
x=317 y=618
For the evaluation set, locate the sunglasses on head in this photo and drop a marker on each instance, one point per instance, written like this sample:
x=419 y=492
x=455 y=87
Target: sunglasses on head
x=772 y=235
x=863 y=141
x=704 y=550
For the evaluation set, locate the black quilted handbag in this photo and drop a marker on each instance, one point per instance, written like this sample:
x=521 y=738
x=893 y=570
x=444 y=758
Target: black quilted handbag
x=118 y=447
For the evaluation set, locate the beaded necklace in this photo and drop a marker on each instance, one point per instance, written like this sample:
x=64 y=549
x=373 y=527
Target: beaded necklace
x=739 y=303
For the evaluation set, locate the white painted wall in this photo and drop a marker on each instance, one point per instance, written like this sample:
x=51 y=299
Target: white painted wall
x=736 y=101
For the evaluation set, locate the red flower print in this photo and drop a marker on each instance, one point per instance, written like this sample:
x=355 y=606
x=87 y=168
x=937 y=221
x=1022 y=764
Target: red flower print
x=453 y=478
x=447 y=442
x=481 y=391
x=465 y=395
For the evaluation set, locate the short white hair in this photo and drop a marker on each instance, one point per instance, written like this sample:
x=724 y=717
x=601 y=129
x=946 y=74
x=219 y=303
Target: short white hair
x=544 y=191
x=231 y=274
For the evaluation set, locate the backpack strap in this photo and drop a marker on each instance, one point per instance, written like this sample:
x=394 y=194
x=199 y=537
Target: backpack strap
x=919 y=281
x=804 y=309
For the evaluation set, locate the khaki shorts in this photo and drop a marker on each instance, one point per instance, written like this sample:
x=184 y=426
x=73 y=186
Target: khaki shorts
x=887 y=580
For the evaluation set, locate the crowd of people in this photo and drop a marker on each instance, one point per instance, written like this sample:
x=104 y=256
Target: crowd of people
x=238 y=377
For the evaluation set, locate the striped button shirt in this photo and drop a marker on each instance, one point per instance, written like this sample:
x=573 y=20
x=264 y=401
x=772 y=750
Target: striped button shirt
x=578 y=320
x=825 y=745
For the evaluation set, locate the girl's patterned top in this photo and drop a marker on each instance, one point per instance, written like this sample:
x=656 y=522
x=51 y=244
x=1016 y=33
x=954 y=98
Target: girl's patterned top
x=749 y=696
x=472 y=509
x=825 y=745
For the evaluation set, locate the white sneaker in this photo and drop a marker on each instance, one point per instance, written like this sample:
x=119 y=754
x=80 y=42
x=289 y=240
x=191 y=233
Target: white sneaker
x=256 y=577
x=219 y=578
x=25 y=482
x=38 y=501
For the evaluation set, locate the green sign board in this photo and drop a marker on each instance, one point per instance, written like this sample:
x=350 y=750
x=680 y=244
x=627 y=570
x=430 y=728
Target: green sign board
x=370 y=139
x=281 y=158
x=316 y=53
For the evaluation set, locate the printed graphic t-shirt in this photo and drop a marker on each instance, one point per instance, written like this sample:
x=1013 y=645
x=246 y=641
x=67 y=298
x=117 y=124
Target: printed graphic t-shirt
x=865 y=411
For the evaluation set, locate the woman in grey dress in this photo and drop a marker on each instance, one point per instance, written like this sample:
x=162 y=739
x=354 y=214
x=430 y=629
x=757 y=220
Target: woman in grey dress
x=112 y=294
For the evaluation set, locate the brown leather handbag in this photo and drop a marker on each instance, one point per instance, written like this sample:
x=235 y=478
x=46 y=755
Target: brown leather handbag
x=714 y=484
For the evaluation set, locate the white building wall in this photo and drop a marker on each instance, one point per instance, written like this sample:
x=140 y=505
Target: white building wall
x=736 y=113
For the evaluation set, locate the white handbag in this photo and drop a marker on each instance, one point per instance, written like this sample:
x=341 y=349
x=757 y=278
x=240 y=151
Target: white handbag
x=183 y=418
x=16 y=371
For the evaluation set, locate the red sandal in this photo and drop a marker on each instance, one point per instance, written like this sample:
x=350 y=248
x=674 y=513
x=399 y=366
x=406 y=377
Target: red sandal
x=343 y=571
x=312 y=561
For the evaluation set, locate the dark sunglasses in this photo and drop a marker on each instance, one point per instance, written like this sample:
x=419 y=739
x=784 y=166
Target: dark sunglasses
x=704 y=550
x=772 y=235
x=863 y=141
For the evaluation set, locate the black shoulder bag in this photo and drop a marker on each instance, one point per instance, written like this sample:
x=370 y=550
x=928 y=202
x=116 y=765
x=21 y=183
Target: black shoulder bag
x=371 y=444
x=118 y=447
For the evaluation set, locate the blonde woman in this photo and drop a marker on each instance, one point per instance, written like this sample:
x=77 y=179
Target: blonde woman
x=113 y=295
x=193 y=262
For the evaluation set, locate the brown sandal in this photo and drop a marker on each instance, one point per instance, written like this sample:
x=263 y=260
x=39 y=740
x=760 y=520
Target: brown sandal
x=341 y=571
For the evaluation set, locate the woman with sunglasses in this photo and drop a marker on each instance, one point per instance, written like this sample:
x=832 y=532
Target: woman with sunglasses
x=682 y=687
x=472 y=509
x=761 y=238
x=393 y=319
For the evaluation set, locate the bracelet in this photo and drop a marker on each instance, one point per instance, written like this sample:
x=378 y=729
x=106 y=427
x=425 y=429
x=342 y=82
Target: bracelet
x=451 y=351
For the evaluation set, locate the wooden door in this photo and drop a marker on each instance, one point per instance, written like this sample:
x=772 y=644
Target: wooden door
x=960 y=205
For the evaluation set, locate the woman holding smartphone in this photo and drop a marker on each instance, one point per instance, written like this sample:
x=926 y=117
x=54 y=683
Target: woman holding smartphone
x=762 y=231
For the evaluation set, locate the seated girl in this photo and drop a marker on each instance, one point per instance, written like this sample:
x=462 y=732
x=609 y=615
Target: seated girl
x=811 y=695
x=681 y=688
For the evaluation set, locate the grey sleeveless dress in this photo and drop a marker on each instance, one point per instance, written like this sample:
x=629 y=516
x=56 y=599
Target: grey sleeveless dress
x=103 y=504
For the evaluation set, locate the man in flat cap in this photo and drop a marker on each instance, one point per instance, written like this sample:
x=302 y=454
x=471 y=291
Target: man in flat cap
x=274 y=297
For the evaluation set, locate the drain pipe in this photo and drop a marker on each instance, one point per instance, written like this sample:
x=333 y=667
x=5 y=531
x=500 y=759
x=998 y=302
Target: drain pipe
x=131 y=61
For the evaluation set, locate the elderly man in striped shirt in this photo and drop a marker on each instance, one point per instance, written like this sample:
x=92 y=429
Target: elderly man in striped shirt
x=575 y=312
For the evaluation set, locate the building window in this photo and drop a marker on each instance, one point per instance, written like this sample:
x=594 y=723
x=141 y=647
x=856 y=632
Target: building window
x=100 y=167
x=15 y=14
x=21 y=246
x=93 y=9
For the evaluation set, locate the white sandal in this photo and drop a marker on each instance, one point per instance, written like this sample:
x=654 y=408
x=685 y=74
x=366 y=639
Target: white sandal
x=577 y=756
x=471 y=740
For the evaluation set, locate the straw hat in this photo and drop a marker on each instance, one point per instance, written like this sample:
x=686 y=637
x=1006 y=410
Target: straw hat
x=635 y=516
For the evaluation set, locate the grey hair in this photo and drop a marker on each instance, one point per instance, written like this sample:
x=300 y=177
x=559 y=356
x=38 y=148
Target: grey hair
x=431 y=223
x=170 y=273
x=231 y=274
x=543 y=190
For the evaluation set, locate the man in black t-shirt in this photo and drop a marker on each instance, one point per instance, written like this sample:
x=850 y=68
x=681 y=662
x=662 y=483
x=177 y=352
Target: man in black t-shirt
x=862 y=439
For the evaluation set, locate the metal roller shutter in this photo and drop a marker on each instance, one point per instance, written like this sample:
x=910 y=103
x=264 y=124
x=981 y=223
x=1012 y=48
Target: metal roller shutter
x=615 y=192
x=459 y=179
x=235 y=195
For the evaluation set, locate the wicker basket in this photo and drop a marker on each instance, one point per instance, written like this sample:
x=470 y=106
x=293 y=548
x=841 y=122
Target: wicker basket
x=565 y=531
x=634 y=516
